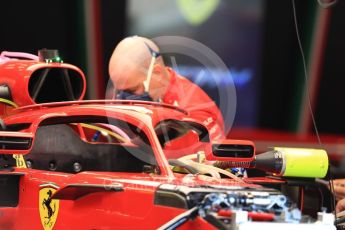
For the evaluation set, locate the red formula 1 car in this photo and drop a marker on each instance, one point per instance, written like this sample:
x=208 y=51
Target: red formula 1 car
x=123 y=164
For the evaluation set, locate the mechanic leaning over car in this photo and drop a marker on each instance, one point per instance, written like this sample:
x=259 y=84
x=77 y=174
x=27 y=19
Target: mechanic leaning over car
x=138 y=72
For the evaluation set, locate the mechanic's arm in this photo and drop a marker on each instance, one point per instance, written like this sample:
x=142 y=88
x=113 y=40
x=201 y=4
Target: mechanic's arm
x=339 y=188
x=340 y=205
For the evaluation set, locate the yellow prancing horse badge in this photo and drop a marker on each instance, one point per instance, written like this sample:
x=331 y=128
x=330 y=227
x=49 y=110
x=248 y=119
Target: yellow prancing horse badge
x=48 y=207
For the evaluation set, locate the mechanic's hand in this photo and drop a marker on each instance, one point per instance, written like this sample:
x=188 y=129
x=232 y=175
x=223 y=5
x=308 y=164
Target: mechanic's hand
x=339 y=189
x=340 y=205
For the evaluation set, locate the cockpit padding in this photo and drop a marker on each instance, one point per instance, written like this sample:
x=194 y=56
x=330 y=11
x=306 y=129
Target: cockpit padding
x=59 y=148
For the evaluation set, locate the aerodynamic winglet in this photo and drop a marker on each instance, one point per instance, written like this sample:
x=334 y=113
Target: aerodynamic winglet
x=77 y=191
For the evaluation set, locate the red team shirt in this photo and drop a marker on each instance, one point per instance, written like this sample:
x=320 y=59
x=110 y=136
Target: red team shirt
x=185 y=94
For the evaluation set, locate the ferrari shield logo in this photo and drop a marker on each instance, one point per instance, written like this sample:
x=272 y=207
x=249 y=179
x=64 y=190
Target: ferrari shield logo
x=197 y=11
x=48 y=207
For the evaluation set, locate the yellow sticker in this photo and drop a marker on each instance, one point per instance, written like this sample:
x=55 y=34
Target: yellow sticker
x=49 y=208
x=20 y=162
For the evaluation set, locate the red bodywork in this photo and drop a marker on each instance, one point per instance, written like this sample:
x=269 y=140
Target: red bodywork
x=48 y=197
x=129 y=208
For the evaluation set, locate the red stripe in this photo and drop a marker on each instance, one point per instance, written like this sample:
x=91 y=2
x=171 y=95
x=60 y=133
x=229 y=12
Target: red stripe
x=316 y=64
x=98 y=48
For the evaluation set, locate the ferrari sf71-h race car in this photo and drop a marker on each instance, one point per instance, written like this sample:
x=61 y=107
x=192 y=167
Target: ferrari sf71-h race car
x=66 y=163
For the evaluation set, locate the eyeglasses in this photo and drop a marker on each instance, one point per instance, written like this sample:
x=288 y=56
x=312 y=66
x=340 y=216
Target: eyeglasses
x=153 y=53
x=154 y=56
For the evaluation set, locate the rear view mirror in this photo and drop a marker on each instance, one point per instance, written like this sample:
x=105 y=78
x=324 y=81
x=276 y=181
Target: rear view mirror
x=15 y=142
x=232 y=150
